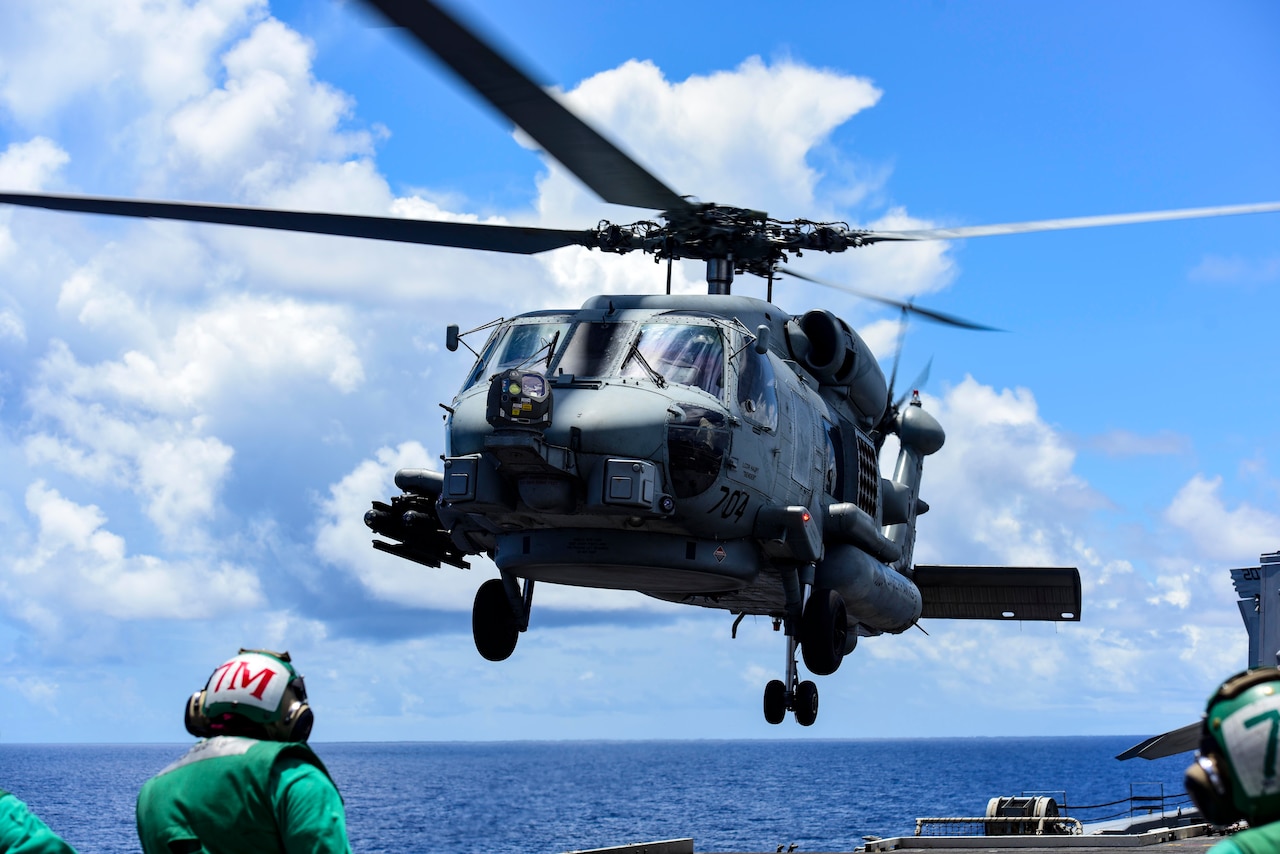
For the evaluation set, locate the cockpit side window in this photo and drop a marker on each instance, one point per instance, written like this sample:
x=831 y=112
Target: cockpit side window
x=518 y=344
x=684 y=354
x=757 y=389
x=834 y=485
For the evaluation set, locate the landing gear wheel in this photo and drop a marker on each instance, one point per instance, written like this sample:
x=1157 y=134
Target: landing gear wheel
x=824 y=628
x=493 y=624
x=775 y=701
x=806 y=703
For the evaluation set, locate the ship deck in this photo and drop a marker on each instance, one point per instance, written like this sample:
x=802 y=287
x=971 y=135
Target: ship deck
x=1188 y=839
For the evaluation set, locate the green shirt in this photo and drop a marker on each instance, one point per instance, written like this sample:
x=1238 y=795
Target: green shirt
x=230 y=794
x=1255 y=840
x=22 y=832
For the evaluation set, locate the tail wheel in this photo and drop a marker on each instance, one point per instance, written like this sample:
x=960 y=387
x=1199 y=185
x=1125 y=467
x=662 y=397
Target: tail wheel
x=824 y=628
x=775 y=701
x=806 y=703
x=493 y=623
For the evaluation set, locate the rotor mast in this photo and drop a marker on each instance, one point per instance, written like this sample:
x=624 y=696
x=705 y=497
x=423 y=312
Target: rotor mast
x=719 y=276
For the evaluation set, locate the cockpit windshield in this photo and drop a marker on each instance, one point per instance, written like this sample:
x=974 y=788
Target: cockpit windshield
x=689 y=354
x=594 y=349
x=519 y=344
x=681 y=353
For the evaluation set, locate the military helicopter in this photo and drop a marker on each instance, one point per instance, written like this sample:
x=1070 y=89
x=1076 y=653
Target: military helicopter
x=711 y=450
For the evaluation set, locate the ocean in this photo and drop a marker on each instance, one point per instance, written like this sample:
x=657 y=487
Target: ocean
x=550 y=797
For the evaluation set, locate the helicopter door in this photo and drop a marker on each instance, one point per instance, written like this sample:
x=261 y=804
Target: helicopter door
x=800 y=430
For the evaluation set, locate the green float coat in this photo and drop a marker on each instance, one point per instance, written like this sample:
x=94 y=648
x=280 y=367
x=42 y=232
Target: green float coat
x=232 y=794
x=22 y=832
x=1257 y=840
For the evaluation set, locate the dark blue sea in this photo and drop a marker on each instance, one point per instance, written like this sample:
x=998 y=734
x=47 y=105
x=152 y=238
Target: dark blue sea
x=549 y=797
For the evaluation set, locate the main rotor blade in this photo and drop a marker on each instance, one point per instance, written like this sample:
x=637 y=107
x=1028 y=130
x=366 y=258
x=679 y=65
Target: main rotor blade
x=596 y=161
x=463 y=235
x=910 y=307
x=1062 y=224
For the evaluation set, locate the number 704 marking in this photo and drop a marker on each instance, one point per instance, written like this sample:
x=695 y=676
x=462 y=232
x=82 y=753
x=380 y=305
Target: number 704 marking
x=731 y=503
x=1271 y=716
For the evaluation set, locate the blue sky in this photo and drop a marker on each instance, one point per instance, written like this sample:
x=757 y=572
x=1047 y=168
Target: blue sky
x=194 y=419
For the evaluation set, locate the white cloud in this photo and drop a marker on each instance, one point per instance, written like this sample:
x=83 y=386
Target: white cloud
x=140 y=421
x=343 y=540
x=745 y=137
x=734 y=137
x=30 y=165
x=74 y=564
x=1003 y=485
x=157 y=49
x=24 y=166
x=270 y=118
x=1217 y=269
x=1004 y=490
x=239 y=343
x=1222 y=534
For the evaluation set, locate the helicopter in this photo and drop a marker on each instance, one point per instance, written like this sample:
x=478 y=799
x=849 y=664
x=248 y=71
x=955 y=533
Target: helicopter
x=711 y=450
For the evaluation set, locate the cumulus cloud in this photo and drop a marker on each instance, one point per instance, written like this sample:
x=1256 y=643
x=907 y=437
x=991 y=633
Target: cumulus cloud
x=74 y=564
x=343 y=540
x=238 y=343
x=735 y=137
x=270 y=117
x=744 y=137
x=1000 y=449
x=1219 y=533
x=30 y=165
x=140 y=421
x=1005 y=490
x=24 y=166
x=157 y=49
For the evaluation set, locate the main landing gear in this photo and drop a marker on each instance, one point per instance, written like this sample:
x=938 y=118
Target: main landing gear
x=500 y=614
x=821 y=631
x=792 y=695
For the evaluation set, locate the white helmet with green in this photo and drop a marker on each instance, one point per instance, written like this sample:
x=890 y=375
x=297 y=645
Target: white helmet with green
x=256 y=693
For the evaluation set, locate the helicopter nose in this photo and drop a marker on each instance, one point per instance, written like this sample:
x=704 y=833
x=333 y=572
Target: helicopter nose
x=605 y=449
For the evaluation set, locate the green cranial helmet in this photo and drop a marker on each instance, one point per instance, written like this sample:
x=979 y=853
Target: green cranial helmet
x=256 y=691
x=1237 y=772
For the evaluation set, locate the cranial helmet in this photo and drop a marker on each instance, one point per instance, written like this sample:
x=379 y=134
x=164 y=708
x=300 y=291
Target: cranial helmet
x=1235 y=772
x=257 y=693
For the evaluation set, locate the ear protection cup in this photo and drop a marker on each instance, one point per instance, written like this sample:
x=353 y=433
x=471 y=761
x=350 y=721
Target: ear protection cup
x=1210 y=790
x=194 y=718
x=298 y=722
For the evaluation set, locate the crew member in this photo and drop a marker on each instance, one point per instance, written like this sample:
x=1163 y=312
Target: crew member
x=251 y=784
x=1234 y=776
x=22 y=831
